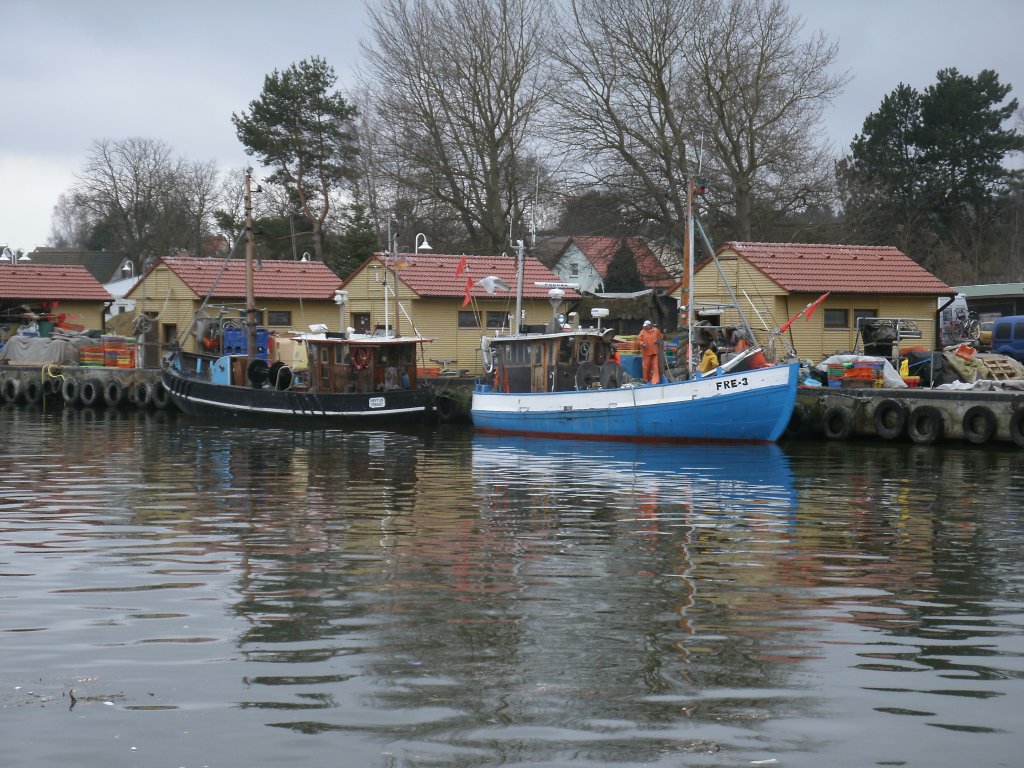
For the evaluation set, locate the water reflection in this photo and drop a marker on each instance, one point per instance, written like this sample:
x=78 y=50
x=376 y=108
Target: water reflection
x=435 y=598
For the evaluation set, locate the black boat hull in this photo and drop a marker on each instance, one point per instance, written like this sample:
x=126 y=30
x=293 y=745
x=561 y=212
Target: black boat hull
x=201 y=398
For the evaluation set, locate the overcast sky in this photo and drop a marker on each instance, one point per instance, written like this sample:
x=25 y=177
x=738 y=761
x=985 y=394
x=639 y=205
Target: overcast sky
x=75 y=71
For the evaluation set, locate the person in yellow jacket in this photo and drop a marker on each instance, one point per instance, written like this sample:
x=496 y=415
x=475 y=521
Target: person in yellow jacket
x=650 y=339
x=709 y=361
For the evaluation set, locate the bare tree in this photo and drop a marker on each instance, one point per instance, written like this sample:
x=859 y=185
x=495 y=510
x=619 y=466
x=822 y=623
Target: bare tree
x=131 y=187
x=621 y=104
x=69 y=225
x=458 y=85
x=760 y=90
x=648 y=86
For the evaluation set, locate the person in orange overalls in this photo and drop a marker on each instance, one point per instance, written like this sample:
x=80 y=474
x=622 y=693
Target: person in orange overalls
x=650 y=339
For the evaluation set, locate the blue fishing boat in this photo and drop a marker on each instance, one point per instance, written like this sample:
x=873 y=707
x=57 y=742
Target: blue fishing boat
x=566 y=383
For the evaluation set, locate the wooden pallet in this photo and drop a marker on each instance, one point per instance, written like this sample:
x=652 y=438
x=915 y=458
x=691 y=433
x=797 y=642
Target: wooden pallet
x=999 y=367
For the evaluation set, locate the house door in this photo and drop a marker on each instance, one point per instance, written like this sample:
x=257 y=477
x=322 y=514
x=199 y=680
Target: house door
x=150 y=342
x=538 y=377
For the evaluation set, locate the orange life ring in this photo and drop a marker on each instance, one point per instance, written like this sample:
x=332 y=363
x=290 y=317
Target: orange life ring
x=360 y=358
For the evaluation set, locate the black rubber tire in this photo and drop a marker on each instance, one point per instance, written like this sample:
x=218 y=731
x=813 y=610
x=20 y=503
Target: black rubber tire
x=889 y=419
x=979 y=424
x=11 y=390
x=799 y=422
x=925 y=425
x=838 y=423
x=1017 y=427
x=160 y=397
x=445 y=407
x=113 y=393
x=34 y=391
x=141 y=394
x=70 y=390
x=91 y=392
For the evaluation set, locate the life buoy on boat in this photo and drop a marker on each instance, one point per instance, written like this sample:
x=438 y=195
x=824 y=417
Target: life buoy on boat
x=889 y=419
x=979 y=424
x=69 y=390
x=1017 y=427
x=925 y=425
x=838 y=423
x=91 y=392
x=34 y=391
x=360 y=358
x=113 y=393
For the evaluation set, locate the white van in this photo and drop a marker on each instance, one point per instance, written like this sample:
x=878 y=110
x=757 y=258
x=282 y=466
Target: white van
x=955 y=321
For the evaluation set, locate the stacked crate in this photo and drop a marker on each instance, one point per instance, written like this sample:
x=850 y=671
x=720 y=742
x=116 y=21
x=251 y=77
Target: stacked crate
x=864 y=375
x=91 y=357
x=118 y=351
x=836 y=373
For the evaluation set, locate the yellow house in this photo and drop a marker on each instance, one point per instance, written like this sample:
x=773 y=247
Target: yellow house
x=290 y=296
x=774 y=282
x=49 y=296
x=446 y=298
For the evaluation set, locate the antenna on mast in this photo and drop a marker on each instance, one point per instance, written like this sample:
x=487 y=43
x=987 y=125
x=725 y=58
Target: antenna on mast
x=533 y=213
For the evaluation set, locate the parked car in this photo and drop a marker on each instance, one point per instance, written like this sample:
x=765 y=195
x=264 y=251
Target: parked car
x=1008 y=337
x=985 y=337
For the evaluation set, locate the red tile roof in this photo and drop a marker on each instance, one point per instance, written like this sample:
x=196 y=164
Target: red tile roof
x=275 y=279
x=434 y=275
x=71 y=282
x=599 y=251
x=807 y=268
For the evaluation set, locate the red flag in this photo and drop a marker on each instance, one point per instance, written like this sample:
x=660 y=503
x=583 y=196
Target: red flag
x=813 y=306
x=469 y=287
x=806 y=311
x=462 y=267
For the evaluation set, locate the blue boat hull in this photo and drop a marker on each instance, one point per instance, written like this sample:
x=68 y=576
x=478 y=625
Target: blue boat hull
x=750 y=406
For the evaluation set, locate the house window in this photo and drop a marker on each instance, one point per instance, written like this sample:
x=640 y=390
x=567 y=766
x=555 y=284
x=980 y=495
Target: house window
x=468 y=319
x=361 y=322
x=862 y=315
x=574 y=270
x=837 y=318
x=279 y=318
x=499 y=320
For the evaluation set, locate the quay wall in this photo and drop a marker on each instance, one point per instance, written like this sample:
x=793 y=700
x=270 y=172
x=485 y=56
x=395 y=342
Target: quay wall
x=922 y=416
x=75 y=385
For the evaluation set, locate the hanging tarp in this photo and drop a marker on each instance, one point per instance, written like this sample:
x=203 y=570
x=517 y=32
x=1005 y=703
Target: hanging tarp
x=61 y=350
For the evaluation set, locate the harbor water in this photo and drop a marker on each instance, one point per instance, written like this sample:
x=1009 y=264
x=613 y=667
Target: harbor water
x=183 y=593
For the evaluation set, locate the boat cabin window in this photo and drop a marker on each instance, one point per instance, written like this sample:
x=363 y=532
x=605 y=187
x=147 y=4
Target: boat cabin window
x=583 y=349
x=340 y=354
x=565 y=351
x=468 y=319
x=538 y=354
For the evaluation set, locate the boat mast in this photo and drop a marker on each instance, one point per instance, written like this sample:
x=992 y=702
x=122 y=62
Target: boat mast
x=250 y=253
x=689 y=276
x=520 y=268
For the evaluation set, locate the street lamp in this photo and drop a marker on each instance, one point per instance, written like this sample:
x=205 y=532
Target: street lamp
x=341 y=299
x=14 y=257
x=424 y=246
x=128 y=268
